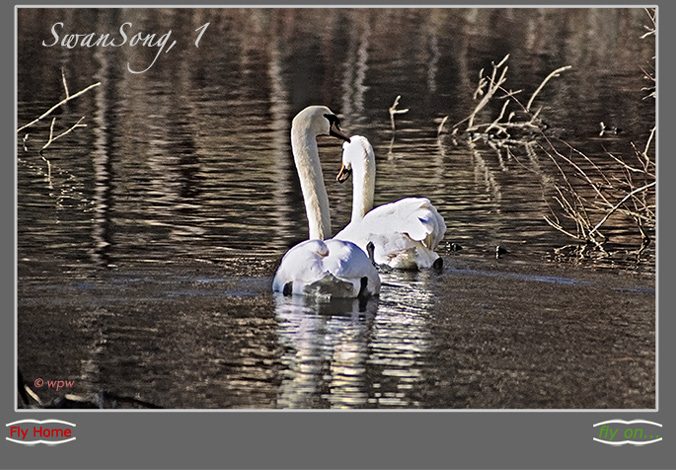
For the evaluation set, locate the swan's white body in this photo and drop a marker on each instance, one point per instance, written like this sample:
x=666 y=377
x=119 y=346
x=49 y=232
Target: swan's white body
x=405 y=233
x=330 y=268
x=318 y=267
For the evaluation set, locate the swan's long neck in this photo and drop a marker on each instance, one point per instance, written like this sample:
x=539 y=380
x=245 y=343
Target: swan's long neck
x=363 y=184
x=306 y=157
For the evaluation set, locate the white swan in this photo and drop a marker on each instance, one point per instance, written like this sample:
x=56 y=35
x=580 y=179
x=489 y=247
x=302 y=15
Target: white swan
x=318 y=267
x=405 y=233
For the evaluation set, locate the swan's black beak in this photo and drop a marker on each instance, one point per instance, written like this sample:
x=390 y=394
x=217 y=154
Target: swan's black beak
x=336 y=132
x=334 y=127
x=343 y=174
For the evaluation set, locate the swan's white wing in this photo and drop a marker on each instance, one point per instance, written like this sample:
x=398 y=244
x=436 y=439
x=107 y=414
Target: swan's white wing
x=348 y=261
x=405 y=233
x=326 y=269
x=416 y=217
x=307 y=254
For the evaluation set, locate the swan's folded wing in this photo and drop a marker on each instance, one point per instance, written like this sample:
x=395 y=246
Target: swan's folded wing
x=300 y=265
x=434 y=223
x=348 y=261
x=328 y=268
x=405 y=233
x=415 y=217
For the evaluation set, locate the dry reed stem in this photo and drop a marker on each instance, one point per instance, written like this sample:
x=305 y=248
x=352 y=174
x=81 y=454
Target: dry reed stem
x=577 y=210
x=617 y=206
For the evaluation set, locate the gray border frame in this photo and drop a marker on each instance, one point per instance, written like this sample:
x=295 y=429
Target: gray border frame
x=313 y=439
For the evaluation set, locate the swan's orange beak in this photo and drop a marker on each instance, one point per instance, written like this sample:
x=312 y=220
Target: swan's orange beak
x=335 y=131
x=343 y=174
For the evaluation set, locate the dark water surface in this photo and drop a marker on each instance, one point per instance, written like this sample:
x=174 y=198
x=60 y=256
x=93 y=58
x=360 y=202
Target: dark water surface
x=147 y=240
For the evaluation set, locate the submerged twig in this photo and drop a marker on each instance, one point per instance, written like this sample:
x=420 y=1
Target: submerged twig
x=60 y=103
x=51 y=132
x=65 y=85
x=393 y=110
x=441 y=125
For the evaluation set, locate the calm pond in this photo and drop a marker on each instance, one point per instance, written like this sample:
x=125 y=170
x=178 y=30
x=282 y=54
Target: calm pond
x=148 y=239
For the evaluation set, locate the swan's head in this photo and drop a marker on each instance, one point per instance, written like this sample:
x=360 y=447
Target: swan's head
x=319 y=120
x=356 y=152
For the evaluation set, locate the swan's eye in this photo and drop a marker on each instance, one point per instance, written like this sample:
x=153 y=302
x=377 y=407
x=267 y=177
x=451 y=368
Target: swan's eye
x=334 y=127
x=333 y=119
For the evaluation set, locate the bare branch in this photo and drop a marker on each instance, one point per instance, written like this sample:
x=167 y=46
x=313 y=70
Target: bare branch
x=624 y=199
x=51 y=132
x=495 y=122
x=60 y=103
x=555 y=73
x=65 y=85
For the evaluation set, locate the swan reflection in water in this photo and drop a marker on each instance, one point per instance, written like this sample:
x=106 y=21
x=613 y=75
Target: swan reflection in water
x=352 y=353
x=325 y=350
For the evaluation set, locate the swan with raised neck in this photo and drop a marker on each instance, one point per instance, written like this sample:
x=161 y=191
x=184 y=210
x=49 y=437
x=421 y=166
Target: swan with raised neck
x=311 y=122
x=404 y=233
x=317 y=267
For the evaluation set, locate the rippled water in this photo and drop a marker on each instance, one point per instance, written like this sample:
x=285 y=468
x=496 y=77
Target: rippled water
x=147 y=240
